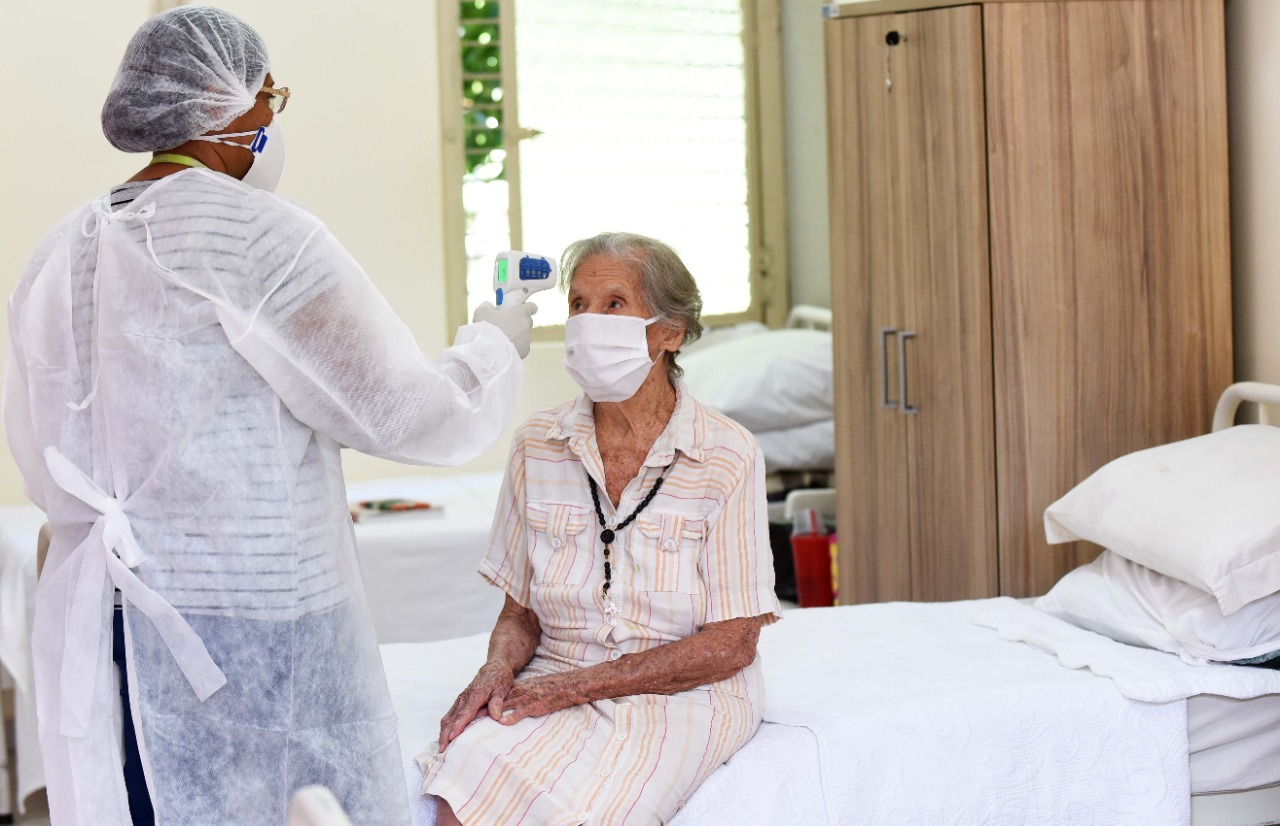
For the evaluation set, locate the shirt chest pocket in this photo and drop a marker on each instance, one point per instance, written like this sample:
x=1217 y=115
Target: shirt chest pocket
x=666 y=550
x=560 y=547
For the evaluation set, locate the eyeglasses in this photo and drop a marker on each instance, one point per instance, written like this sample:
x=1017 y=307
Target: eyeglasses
x=277 y=99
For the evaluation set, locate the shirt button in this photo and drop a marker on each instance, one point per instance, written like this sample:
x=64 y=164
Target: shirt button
x=620 y=737
x=615 y=654
x=670 y=544
x=605 y=772
x=555 y=543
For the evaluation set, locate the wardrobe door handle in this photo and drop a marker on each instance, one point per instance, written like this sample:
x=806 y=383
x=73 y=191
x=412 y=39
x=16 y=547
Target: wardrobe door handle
x=902 y=370
x=885 y=401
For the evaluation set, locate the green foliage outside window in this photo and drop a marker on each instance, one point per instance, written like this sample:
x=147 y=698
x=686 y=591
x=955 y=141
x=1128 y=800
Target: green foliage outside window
x=480 y=32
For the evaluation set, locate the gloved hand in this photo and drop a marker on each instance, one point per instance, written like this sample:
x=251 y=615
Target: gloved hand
x=514 y=320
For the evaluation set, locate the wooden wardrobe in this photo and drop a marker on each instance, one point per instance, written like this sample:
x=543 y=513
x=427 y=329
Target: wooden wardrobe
x=1031 y=272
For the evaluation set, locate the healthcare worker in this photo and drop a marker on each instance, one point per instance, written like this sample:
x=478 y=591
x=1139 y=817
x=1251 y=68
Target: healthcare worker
x=189 y=353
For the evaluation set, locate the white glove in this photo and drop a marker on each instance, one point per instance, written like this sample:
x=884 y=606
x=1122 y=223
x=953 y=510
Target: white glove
x=316 y=806
x=514 y=320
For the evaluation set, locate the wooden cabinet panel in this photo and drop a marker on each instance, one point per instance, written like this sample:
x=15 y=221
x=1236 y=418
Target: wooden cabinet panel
x=909 y=159
x=1110 y=270
x=1037 y=191
x=870 y=440
x=941 y=132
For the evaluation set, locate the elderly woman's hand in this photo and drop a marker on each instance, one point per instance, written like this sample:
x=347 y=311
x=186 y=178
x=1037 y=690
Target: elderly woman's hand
x=487 y=692
x=511 y=645
x=540 y=696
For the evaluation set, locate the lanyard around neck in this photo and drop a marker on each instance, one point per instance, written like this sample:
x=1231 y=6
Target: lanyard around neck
x=182 y=160
x=607 y=535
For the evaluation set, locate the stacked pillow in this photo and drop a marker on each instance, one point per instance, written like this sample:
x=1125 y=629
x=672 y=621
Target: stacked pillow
x=1193 y=537
x=776 y=383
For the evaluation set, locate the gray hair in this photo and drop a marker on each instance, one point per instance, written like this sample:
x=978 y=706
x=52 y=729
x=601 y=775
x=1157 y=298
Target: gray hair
x=665 y=282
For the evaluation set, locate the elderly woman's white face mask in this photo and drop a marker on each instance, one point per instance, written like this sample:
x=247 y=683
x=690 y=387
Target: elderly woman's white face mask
x=607 y=355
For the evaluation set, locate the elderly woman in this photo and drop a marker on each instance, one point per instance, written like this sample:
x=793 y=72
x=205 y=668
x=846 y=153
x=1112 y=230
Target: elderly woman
x=631 y=542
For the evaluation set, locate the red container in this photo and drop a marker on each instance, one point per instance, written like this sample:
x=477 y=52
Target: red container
x=812 y=554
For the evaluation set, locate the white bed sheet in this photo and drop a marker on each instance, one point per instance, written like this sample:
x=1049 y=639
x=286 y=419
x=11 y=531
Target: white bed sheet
x=19 y=530
x=918 y=715
x=419 y=568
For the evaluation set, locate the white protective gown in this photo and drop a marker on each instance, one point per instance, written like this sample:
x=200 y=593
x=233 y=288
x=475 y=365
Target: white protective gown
x=183 y=372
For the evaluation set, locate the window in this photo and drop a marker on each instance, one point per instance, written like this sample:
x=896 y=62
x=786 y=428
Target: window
x=580 y=116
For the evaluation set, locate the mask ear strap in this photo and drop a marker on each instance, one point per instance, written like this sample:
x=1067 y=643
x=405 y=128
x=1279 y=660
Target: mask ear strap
x=219 y=138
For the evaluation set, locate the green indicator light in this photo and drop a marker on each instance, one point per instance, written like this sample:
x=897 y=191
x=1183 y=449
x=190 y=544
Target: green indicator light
x=502 y=270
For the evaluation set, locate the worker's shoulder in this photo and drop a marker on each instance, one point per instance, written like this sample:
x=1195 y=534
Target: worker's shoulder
x=69 y=230
x=203 y=190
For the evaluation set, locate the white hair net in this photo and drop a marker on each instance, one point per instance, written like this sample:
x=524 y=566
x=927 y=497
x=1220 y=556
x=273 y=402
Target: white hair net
x=187 y=71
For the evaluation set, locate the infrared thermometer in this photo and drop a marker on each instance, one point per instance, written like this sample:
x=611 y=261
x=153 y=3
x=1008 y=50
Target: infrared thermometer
x=518 y=275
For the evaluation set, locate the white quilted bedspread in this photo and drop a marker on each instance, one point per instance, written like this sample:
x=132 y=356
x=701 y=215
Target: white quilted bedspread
x=924 y=717
x=911 y=713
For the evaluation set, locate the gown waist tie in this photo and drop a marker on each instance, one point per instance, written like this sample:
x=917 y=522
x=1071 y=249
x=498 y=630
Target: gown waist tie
x=111 y=549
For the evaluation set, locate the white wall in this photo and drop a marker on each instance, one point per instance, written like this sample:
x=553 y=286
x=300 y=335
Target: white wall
x=804 y=87
x=1253 y=75
x=57 y=61
x=363 y=132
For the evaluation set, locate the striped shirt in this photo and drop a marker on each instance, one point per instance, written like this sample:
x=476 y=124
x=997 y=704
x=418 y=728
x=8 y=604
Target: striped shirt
x=698 y=553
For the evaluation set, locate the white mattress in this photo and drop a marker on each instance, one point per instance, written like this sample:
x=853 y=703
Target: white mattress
x=1235 y=744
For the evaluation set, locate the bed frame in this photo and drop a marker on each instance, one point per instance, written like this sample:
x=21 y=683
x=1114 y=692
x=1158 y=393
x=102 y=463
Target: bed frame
x=1246 y=391
x=1255 y=807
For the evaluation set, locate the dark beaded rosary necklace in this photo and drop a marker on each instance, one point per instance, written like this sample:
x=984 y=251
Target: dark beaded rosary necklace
x=607 y=535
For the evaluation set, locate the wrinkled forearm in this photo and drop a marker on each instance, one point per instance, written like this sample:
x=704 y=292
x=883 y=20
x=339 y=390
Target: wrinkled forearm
x=515 y=637
x=715 y=653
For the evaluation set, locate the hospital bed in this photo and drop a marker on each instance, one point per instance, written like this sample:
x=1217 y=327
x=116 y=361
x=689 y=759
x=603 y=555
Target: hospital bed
x=912 y=713
x=419 y=567
x=776 y=383
x=978 y=712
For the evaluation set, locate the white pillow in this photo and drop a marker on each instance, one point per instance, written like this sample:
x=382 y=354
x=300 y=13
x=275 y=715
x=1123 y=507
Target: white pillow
x=719 y=335
x=1132 y=604
x=1205 y=511
x=773 y=380
x=808 y=447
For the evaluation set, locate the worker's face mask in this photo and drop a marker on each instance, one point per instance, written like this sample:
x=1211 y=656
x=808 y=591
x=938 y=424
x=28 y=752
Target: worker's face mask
x=267 y=147
x=607 y=355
